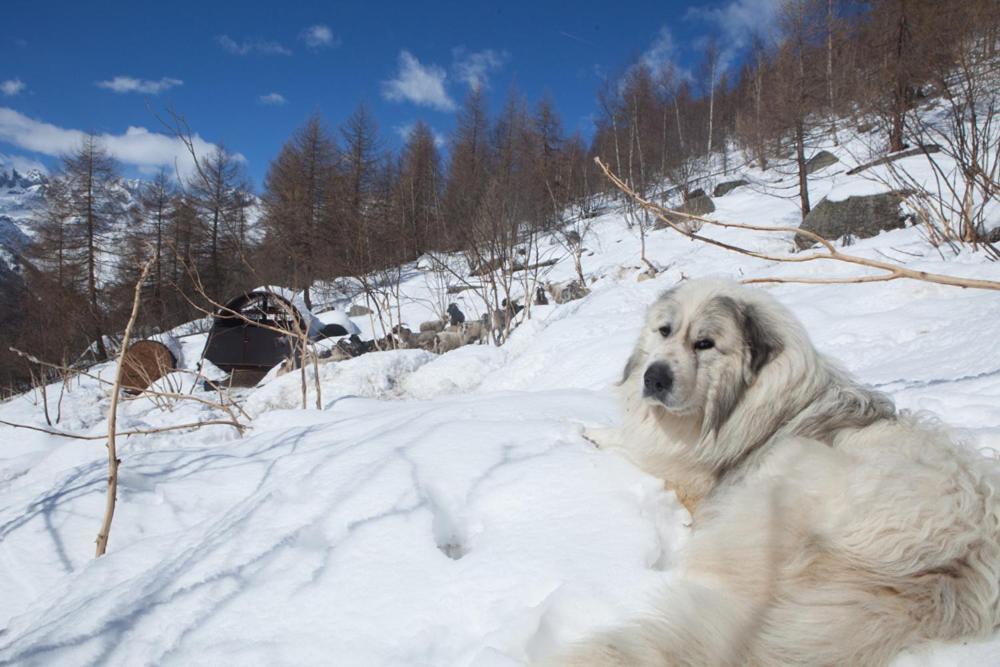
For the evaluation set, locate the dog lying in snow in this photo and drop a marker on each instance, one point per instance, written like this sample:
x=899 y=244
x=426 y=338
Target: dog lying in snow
x=828 y=528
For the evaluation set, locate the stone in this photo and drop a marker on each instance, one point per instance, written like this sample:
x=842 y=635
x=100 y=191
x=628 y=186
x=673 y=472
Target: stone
x=702 y=205
x=723 y=189
x=357 y=311
x=859 y=217
x=819 y=161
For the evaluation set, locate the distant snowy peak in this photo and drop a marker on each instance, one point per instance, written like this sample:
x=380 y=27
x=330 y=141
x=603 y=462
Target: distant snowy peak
x=11 y=236
x=11 y=178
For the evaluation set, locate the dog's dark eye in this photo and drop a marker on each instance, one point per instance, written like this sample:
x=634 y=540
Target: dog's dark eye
x=665 y=331
x=704 y=344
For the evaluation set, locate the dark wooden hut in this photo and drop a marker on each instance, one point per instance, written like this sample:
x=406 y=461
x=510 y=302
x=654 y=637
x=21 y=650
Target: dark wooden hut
x=244 y=336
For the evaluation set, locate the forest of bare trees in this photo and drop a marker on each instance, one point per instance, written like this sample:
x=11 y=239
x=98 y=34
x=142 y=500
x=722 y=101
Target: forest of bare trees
x=336 y=202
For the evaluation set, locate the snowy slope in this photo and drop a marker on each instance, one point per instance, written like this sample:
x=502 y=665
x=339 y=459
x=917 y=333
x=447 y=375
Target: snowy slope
x=437 y=510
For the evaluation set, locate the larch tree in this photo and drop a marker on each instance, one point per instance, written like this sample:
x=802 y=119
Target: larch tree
x=466 y=175
x=213 y=189
x=155 y=202
x=96 y=201
x=359 y=162
x=419 y=189
x=298 y=203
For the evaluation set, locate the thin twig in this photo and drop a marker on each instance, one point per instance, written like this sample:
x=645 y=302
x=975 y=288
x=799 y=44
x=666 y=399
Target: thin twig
x=141 y=431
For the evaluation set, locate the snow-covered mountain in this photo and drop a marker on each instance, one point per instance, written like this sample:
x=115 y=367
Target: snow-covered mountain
x=11 y=179
x=20 y=195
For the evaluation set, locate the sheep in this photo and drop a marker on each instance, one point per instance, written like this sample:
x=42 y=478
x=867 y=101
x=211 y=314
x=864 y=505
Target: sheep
x=446 y=341
x=433 y=325
x=426 y=339
x=475 y=331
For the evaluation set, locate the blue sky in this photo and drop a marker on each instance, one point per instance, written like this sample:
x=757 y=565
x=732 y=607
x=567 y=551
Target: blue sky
x=249 y=73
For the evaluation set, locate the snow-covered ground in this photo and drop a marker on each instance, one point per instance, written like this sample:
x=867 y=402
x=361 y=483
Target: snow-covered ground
x=437 y=510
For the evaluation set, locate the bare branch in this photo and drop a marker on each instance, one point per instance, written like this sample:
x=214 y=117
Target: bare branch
x=139 y=431
x=113 y=460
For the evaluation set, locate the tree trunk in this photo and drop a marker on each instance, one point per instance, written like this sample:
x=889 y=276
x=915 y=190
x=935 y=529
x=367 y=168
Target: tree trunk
x=102 y=350
x=800 y=159
x=829 y=70
x=900 y=92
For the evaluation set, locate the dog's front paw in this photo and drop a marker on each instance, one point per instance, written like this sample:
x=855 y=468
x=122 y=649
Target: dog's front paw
x=603 y=437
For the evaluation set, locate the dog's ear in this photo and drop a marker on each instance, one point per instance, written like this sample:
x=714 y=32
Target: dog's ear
x=763 y=345
x=760 y=338
x=633 y=362
x=723 y=398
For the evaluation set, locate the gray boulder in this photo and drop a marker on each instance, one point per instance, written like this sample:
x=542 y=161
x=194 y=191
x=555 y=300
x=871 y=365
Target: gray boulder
x=702 y=205
x=858 y=217
x=358 y=311
x=723 y=189
x=819 y=161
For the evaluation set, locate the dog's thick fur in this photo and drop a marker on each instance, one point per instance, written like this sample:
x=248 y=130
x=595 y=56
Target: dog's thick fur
x=828 y=529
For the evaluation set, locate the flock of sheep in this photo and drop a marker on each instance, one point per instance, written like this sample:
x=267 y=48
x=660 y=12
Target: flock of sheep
x=454 y=330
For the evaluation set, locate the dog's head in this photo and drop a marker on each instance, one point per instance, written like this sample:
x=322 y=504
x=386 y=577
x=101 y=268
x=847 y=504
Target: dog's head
x=702 y=346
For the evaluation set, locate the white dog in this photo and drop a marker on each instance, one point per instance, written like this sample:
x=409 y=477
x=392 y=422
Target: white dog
x=828 y=529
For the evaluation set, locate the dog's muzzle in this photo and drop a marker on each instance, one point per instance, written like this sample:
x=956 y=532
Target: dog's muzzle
x=657 y=381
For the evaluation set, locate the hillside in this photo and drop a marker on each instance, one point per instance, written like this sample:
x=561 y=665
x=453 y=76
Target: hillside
x=442 y=510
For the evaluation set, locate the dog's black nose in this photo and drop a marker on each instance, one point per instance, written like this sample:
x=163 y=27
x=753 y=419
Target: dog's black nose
x=658 y=379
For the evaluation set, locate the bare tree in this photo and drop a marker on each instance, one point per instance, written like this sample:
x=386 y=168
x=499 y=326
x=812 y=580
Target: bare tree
x=711 y=73
x=213 y=190
x=299 y=199
x=420 y=189
x=95 y=202
x=156 y=199
x=959 y=136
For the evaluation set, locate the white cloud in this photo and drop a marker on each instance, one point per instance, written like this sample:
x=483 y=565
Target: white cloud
x=137 y=146
x=418 y=83
x=737 y=22
x=252 y=46
x=272 y=100
x=318 y=37
x=661 y=56
x=404 y=133
x=12 y=87
x=404 y=130
x=474 y=68
x=21 y=163
x=128 y=84
x=662 y=52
